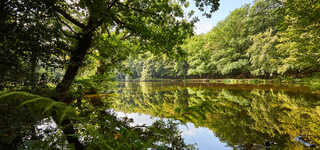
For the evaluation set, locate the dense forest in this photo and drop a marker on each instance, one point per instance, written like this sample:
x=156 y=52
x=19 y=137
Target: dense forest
x=57 y=43
x=267 y=39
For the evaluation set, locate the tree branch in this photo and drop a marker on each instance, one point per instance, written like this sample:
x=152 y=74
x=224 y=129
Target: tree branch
x=70 y=18
x=139 y=10
x=119 y=22
x=67 y=25
x=113 y=2
x=69 y=35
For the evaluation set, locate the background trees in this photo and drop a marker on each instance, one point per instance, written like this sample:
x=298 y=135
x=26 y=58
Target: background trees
x=229 y=41
x=264 y=57
x=267 y=39
x=300 y=38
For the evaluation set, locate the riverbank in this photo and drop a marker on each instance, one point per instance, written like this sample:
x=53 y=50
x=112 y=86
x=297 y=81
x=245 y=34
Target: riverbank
x=312 y=82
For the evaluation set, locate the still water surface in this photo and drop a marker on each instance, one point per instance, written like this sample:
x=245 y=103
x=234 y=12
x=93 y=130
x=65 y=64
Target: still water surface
x=218 y=116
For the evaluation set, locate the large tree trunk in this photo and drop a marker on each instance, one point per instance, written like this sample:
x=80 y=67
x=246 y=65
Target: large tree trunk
x=77 y=58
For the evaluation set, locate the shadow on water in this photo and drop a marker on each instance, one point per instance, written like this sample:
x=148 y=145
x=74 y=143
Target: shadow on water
x=242 y=116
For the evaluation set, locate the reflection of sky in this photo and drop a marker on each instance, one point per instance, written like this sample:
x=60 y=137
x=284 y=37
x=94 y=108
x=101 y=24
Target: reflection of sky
x=203 y=137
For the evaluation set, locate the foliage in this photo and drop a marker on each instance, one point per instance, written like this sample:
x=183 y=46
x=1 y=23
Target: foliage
x=198 y=58
x=300 y=40
x=29 y=44
x=269 y=39
x=42 y=40
x=92 y=85
x=228 y=51
x=263 y=54
x=150 y=66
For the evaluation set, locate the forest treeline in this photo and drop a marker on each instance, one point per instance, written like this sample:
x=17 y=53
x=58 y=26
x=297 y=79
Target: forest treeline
x=44 y=42
x=267 y=39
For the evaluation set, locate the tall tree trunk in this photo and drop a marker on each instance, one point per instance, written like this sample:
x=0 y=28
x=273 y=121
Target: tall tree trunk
x=76 y=60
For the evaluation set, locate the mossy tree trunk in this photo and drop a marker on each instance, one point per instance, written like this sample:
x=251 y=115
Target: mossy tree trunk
x=77 y=58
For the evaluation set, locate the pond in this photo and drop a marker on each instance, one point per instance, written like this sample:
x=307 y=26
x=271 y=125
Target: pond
x=220 y=116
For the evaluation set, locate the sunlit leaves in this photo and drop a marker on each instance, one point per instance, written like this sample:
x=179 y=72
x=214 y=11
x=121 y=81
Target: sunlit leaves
x=264 y=58
x=228 y=42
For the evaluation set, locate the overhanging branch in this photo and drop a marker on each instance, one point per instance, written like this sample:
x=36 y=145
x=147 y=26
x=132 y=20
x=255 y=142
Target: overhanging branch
x=70 y=18
x=138 y=10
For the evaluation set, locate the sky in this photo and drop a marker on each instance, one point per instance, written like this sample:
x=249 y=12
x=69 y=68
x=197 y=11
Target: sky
x=226 y=7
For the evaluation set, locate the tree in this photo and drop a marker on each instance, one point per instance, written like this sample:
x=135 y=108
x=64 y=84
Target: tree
x=300 y=37
x=263 y=54
x=229 y=43
x=71 y=30
x=198 y=56
x=31 y=39
x=269 y=38
x=157 y=26
x=265 y=14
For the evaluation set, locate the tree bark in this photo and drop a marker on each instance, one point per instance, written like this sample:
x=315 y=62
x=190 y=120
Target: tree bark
x=77 y=58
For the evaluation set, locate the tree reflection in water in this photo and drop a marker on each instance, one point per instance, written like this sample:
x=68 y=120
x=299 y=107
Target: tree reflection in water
x=243 y=116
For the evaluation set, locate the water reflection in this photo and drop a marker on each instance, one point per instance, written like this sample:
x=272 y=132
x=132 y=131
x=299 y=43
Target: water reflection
x=202 y=137
x=241 y=116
